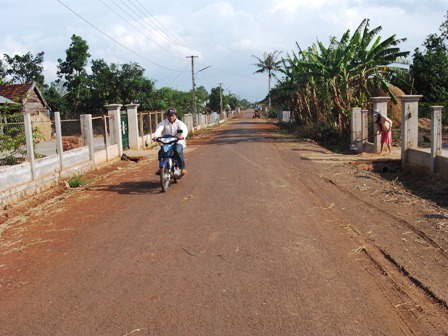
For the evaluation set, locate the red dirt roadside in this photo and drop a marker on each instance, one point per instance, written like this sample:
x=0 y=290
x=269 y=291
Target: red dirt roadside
x=272 y=236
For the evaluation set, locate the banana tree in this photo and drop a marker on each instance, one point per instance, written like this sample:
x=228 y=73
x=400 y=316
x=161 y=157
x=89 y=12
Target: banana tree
x=377 y=62
x=341 y=74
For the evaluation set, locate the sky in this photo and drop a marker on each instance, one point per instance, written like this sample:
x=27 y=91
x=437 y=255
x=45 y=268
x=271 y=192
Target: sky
x=222 y=37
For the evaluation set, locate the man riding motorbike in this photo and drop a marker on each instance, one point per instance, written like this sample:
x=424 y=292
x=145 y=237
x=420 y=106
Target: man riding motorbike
x=173 y=126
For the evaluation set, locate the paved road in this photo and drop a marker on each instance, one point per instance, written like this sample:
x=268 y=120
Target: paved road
x=248 y=243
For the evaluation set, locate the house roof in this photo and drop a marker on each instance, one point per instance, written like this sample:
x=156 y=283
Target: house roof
x=19 y=92
x=4 y=100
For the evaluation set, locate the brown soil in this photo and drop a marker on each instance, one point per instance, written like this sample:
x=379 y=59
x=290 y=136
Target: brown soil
x=411 y=256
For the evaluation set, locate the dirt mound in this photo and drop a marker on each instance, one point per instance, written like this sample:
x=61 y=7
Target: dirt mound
x=394 y=110
x=424 y=124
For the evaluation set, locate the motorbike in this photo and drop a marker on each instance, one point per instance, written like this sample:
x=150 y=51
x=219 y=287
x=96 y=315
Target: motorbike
x=168 y=166
x=256 y=114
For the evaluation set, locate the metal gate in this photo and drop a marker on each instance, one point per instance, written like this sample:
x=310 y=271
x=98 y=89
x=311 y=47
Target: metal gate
x=124 y=130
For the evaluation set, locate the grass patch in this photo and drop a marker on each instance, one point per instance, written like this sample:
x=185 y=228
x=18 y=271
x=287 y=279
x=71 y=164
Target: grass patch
x=75 y=182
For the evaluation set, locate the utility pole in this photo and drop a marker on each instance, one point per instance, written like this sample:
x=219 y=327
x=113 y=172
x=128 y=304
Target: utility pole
x=220 y=98
x=193 y=93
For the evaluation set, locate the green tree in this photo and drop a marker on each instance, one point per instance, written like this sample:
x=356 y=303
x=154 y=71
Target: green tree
x=2 y=72
x=244 y=103
x=429 y=69
x=131 y=83
x=145 y=94
x=233 y=101
x=323 y=83
x=103 y=84
x=122 y=85
x=216 y=99
x=161 y=99
x=201 y=98
x=12 y=134
x=166 y=97
x=182 y=102
x=73 y=72
x=269 y=63
x=25 y=68
x=54 y=95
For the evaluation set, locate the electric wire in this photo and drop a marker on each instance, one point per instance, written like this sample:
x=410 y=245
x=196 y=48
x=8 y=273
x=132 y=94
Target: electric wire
x=177 y=76
x=172 y=36
x=155 y=23
x=240 y=75
x=114 y=40
x=158 y=29
x=133 y=26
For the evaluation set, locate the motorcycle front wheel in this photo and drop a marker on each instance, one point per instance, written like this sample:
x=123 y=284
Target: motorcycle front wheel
x=165 y=176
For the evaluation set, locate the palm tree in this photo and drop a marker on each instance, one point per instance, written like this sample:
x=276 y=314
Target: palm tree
x=270 y=64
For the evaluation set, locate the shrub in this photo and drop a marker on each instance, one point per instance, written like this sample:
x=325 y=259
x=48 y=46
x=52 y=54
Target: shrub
x=273 y=114
x=75 y=182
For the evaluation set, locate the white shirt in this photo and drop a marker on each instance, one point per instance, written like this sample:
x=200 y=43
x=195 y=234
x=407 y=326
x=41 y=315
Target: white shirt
x=165 y=127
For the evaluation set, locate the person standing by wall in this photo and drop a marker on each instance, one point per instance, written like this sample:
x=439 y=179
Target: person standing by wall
x=384 y=126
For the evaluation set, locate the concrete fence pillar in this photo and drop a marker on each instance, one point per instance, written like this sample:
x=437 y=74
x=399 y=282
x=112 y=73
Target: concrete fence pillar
x=29 y=142
x=359 y=128
x=355 y=125
x=87 y=134
x=436 y=136
x=409 y=125
x=380 y=105
x=113 y=111
x=364 y=126
x=58 y=131
x=134 y=140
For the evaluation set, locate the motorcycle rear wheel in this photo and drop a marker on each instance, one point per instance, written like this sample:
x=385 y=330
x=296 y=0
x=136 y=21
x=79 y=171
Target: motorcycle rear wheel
x=165 y=176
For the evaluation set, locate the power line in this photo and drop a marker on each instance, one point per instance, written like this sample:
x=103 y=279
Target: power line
x=240 y=75
x=180 y=73
x=132 y=25
x=160 y=28
x=114 y=40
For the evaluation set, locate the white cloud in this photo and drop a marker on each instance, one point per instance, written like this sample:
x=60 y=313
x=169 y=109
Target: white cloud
x=293 y=5
x=224 y=34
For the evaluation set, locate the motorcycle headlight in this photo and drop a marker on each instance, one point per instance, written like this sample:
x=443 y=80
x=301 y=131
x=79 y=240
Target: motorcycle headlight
x=166 y=140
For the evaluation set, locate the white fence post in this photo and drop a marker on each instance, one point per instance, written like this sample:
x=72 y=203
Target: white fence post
x=409 y=125
x=134 y=141
x=380 y=105
x=364 y=126
x=59 y=149
x=115 y=125
x=87 y=134
x=436 y=136
x=29 y=142
x=355 y=125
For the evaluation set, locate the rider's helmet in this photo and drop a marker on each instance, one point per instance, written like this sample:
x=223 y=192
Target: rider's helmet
x=171 y=111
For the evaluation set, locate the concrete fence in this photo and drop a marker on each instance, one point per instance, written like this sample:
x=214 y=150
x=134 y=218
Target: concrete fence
x=432 y=160
x=35 y=175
